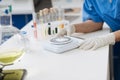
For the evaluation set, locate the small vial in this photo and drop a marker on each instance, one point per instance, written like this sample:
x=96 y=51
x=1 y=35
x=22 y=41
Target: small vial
x=41 y=17
x=45 y=14
x=56 y=14
x=51 y=14
x=49 y=29
x=60 y=14
x=56 y=30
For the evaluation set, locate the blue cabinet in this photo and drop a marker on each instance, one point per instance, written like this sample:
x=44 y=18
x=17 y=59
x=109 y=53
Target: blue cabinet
x=20 y=20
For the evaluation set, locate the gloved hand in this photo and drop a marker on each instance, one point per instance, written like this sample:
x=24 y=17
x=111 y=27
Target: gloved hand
x=97 y=42
x=66 y=31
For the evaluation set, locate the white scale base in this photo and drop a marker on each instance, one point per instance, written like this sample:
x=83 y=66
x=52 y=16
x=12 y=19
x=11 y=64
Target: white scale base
x=60 y=45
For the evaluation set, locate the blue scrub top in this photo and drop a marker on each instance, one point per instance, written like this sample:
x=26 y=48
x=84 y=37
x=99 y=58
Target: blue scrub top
x=103 y=11
x=109 y=12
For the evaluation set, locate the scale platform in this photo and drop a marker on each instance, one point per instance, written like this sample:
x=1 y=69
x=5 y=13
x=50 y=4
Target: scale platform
x=16 y=74
x=61 y=44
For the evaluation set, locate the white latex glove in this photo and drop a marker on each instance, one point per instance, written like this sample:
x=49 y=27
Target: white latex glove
x=66 y=31
x=97 y=42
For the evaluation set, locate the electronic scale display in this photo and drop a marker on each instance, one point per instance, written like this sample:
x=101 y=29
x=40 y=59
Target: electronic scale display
x=60 y=40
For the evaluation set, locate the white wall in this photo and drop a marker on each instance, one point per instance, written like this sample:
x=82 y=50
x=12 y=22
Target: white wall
x=22 y=6
x=67 y=3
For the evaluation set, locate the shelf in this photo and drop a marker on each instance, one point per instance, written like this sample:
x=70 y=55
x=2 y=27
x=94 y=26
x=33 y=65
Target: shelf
x=22 y=6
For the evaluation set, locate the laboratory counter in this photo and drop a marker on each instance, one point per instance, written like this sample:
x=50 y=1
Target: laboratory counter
x=72 y=65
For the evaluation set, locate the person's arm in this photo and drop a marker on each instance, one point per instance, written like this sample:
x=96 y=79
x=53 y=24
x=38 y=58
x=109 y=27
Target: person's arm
x=117 y=35
x=84 y=27
x=88 y=26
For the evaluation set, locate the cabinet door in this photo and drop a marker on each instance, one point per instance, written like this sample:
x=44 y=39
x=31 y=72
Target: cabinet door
x=21 y=20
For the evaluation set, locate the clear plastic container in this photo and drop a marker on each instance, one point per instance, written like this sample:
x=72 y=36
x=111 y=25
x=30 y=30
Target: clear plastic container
x=7 y=32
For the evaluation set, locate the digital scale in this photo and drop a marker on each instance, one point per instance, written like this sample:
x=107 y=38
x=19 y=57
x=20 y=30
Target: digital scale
x=15 y=74
x=61 y=44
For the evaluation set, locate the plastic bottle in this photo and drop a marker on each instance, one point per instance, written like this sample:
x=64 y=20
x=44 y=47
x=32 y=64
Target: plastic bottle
x=7 y=32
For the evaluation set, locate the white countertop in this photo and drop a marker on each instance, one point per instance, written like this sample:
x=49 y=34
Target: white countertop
x=72 y=65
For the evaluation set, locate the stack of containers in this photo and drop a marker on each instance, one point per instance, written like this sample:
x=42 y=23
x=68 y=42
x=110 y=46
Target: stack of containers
x=50 y=22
